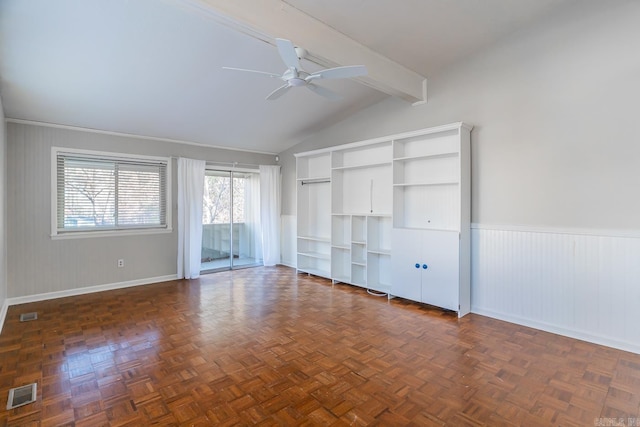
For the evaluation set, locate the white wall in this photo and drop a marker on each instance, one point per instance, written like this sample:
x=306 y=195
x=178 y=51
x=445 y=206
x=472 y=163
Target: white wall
x=554 y=149
x=39 y=265
x=3 y=223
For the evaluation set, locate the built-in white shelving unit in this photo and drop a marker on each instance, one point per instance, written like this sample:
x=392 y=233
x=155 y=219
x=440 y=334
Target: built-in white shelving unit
x=390 y=214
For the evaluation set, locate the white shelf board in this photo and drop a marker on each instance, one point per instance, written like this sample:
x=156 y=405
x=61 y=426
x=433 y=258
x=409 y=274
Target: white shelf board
x=363 y=214
x=315 y=239
x=345 y=247
x=316 y=255
x=380 y=251
x=358 y=242
x=426 y=156
x=425 y=184
x=359 y=264
x=428 y=229
x=361 y=166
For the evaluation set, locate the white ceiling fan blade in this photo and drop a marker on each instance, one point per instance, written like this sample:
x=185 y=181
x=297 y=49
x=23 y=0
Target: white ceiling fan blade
x=324 y=92
x=253 y=71
x=346 y=72
x=288 y=53
x=278 y=92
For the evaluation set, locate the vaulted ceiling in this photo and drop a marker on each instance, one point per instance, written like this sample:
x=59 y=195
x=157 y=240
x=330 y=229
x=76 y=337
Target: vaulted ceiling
x=154 y=67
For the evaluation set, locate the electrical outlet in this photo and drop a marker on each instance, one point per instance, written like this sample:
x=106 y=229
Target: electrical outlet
x=120 y=263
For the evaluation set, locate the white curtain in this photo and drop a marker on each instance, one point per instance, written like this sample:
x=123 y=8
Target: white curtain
x=252 y=225
x=270 y=213
x=190 y=194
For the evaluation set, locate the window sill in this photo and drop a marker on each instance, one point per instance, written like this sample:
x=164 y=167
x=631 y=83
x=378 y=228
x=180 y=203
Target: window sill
x=109 y=233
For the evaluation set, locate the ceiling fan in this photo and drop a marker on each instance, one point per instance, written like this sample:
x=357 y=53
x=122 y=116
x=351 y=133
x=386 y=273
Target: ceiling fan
x=295 y=76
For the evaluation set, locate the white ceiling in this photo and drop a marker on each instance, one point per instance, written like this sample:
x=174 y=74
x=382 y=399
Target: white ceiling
x=154 y=68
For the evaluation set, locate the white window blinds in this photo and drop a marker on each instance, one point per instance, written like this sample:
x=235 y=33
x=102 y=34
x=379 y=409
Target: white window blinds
x=103 y=193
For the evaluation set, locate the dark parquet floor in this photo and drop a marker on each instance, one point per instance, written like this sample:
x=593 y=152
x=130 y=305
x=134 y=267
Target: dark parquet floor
x=267 y=346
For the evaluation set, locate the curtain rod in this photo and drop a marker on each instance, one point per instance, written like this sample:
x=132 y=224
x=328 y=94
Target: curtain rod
x=232 y=164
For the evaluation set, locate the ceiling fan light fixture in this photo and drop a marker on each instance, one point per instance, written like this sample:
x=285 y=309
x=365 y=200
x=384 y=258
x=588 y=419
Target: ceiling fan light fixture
x=297 y=81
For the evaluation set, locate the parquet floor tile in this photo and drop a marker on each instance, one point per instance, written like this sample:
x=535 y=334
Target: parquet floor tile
x=270 y=347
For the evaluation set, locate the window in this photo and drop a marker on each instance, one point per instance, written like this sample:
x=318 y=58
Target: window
x=95 y=192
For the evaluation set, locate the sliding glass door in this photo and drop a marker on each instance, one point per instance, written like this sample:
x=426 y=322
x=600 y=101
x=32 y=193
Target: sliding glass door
x=230 y=220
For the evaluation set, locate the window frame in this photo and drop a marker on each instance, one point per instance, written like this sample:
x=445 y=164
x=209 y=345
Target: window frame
x=109 y=232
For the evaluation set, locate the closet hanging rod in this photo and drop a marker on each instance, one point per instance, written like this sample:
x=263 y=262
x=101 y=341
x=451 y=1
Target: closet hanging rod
x=314 y=181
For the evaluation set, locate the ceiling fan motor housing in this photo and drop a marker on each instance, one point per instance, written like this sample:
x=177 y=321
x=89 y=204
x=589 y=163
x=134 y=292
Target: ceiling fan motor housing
x=301 y=52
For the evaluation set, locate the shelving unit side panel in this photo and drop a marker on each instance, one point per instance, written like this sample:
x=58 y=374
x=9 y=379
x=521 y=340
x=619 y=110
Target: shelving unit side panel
x=465 y=223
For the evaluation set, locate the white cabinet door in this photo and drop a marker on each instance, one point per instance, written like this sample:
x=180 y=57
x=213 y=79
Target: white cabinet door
x=425 y=266
x=406 y=246
x=440 y=280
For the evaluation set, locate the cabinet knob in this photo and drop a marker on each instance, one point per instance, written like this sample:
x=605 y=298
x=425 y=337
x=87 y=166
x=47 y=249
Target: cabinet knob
x=417 y=265
x=424 y=266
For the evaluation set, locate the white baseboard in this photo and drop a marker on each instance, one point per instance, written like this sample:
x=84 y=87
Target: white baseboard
x=580 y=335
x=87 y=290
x=290 y=264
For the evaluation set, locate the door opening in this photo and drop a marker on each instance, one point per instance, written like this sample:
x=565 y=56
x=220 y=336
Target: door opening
x=231 y=232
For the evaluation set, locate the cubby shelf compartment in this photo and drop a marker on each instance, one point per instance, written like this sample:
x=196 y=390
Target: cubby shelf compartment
x=359 y=275
x=340 y=264
x=379 y=271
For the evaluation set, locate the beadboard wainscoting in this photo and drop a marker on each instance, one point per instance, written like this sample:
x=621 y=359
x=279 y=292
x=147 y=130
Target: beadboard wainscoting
x=288 y=240
x=579 y=283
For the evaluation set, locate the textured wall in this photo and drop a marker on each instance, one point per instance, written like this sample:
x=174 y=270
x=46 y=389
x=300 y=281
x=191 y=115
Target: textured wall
x=3 y=216
x=38 y=264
